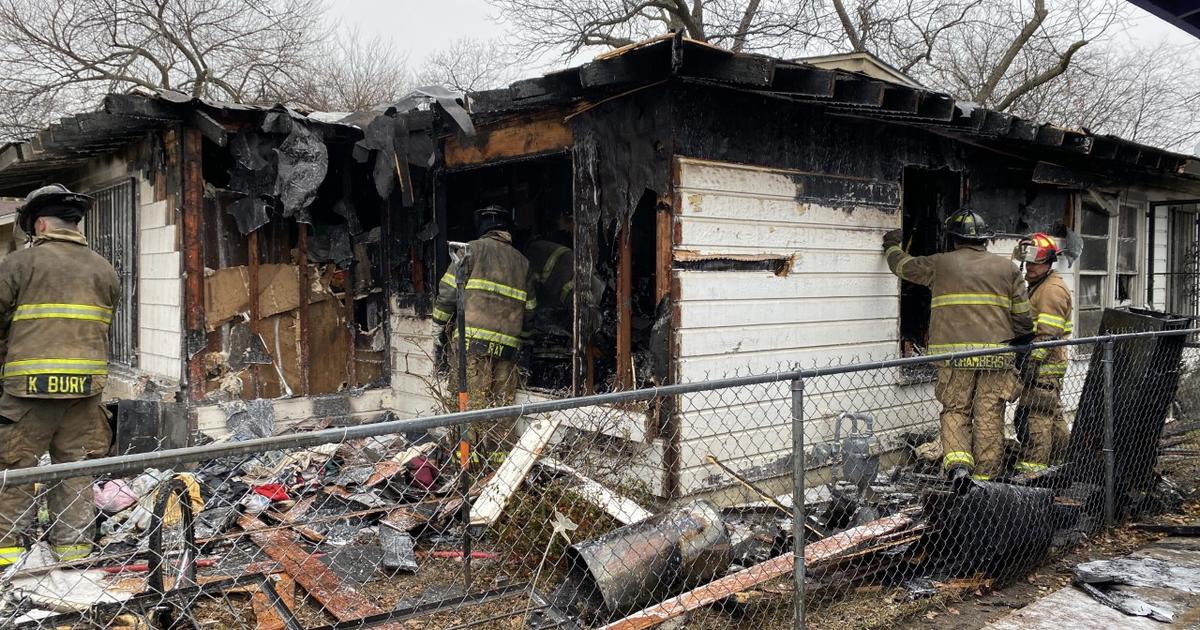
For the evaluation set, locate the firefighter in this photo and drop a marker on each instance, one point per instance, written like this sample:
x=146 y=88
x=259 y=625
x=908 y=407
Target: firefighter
x=499 y=301
x=979 y=302
x=57 y=300
x=1039 y=419
x=553 y=268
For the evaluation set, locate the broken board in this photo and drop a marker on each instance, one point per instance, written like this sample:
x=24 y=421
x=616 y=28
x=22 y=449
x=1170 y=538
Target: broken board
x=318 y=580
x=500 y=488
x=625 y=510
x=815 y=553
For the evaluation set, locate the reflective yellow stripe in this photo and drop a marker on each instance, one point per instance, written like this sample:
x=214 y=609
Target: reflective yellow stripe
x=981 y=477
x=954 y=458
x=548 y=268
x=974 y=299
x=448 y=280
x=63 y=311
x=32 y=367
x=1045 y=319
x=441 y=316
x=1020 y=306
x=479 y=284
x=9 y=555
x=946 y=348
x=1029 y=467
x=1053 y=369
x=1040 y=354
x=566 y=292
x=531 y=304
x=483 y=334
x=70 y=553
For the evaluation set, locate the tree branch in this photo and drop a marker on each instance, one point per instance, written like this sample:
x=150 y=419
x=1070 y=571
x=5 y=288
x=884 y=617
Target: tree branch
x=1035 y=21
x=743 y=28
x=1064 y=60
x=848 y=26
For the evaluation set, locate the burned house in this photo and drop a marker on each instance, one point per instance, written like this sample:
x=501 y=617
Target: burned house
x=724 y=210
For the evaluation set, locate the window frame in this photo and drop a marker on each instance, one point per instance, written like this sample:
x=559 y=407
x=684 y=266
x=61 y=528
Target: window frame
x=103 y=227
x=1111 y=275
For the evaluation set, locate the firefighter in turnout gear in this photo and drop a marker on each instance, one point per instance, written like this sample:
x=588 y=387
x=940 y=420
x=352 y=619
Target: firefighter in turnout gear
x=553 y=268
x=499 y=301
x=979 y=302
x=1039 y=420
x=57 y=300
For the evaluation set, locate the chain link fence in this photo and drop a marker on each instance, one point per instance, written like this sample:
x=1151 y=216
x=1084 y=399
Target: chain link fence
x=558 y=519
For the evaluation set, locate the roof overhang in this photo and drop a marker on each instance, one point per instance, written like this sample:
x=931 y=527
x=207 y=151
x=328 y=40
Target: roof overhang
x=1184 y=14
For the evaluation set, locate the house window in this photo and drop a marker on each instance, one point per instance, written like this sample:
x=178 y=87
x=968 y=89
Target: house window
x=111 y=230
x=1094 y=228
x=1126 y=257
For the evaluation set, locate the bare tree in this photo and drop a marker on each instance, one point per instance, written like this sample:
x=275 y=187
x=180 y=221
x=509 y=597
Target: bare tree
x=56 y=55
x=469 y=65
x=566 y=28
x=1010 y=55
x=1148 y=94
x=349 y=74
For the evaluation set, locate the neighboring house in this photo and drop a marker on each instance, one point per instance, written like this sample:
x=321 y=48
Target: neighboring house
x=726 y=208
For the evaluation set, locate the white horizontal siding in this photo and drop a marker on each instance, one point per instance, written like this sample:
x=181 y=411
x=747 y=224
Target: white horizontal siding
x=837 y=303
x=160 y=289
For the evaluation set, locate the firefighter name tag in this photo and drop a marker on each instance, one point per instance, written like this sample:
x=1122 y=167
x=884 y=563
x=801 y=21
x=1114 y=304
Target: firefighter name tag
x=59 y=384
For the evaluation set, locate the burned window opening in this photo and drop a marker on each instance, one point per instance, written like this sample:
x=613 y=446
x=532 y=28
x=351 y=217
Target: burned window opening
x=928 y=198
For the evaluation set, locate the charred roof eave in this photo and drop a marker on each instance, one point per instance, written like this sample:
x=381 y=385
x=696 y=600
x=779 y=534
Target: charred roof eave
x=126 y=118
x=842 y=93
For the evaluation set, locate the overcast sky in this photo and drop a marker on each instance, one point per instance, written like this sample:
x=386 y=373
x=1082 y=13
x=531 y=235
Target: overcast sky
x=423 y=26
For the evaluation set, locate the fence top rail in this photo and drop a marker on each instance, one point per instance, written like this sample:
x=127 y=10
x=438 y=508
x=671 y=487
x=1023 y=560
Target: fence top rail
x=120 y=464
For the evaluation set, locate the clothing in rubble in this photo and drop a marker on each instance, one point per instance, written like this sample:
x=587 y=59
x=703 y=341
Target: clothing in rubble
x=979 y=302
x=499 y=301
x=1039 y=420
x=57 y=300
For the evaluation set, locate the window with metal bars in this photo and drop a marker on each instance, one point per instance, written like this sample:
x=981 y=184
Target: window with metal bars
x=111 y=230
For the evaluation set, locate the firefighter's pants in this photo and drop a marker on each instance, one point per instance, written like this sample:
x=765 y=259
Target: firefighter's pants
x=1040 y=425
x=72 y=430
x=491 y=382
x=973 y=417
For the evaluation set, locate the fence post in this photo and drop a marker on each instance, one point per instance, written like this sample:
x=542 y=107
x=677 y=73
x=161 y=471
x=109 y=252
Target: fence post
x=1109 y=471
x=798 y=517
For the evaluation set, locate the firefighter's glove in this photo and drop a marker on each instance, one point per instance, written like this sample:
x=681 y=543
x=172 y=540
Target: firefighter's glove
x=525 y=360
x=892 y=238
x=441 y=358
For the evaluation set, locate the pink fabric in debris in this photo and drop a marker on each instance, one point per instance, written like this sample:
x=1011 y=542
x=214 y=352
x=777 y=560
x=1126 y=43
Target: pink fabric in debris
x=114 y=496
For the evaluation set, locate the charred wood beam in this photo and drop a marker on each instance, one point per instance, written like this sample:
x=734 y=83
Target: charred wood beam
x=740 y=69
x=1097 y=176
x=1023 y=130
x=1129 y=154
x=1051 y=136
x=1076 y=142
x=803 y=81
x=936 y=106
x=1150 y=159
x=252 y=272
x=305 y=288
x=625 y=376
x=209 y=127
x=901 y=99
x=619 y=71
x=139 y=107
x=997 y=124
x=1104 y=148
x=193 y=255
x=856 y=91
